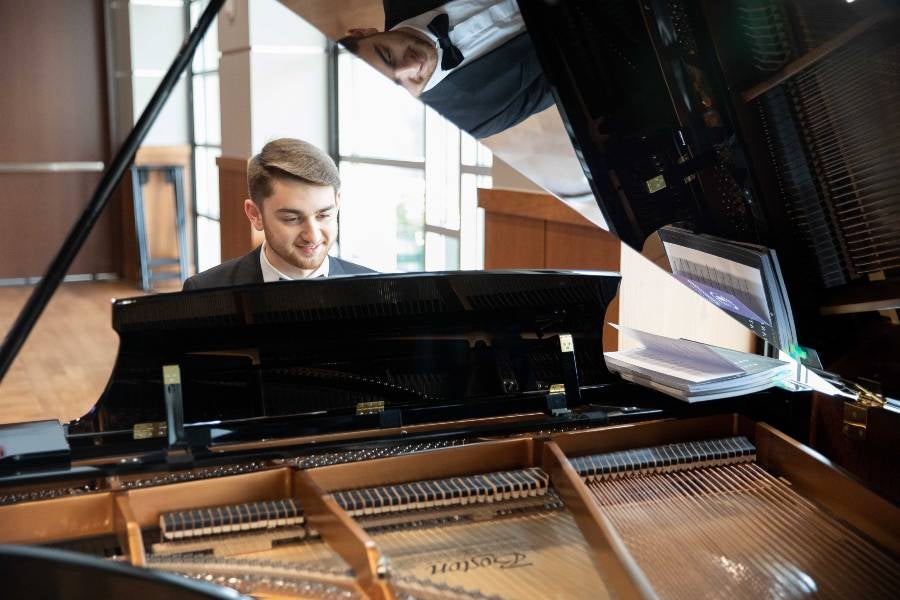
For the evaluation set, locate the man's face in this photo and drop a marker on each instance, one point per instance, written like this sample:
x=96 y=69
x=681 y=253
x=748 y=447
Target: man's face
x=403 y=55
x=300 y=224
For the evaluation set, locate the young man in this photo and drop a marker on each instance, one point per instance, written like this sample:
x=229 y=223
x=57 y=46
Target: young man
x=471 y=60
x=294 y=199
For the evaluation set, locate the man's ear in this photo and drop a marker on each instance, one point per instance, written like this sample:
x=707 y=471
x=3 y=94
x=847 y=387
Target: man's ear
x=254 y=214
x=362 y=32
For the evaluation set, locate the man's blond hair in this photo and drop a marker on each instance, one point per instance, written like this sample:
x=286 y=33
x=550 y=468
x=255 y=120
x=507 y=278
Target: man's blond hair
x=291 y=159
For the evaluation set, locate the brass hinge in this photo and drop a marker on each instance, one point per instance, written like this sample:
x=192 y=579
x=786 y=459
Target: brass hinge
x=856 y=412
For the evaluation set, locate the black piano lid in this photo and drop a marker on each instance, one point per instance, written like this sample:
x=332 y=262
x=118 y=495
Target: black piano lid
x=654 y=136
x=678 y=121
x=342 y=353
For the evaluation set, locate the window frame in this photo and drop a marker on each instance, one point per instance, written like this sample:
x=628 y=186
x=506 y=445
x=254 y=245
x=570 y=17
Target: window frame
x=335 y=51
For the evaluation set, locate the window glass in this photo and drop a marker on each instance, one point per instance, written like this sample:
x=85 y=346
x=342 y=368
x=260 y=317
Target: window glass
x=468 y=149
x=410 y=179
x=382 y=216
x=206 y=115
x=207 y=56
x=199 y=108
x=473 y=154
x=211 y=104
x=209 y=247
x=377 y=118
x=207 y=174
x=207 y=123
x=441 y=171
x=441 y=252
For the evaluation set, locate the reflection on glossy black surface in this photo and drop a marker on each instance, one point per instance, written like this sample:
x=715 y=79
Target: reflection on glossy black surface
x=414 y=344
x=471 y=60
x=801 y=162
x=757 y=121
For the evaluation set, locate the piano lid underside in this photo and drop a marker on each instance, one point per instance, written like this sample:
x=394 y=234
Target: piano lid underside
x=833 y=134
x=651 y=92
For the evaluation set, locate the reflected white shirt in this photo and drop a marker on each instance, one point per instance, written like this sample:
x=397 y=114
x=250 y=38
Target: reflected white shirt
x=270 y=273
x=476 y=28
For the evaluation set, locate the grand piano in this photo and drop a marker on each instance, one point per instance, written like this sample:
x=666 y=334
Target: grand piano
x=457 y=435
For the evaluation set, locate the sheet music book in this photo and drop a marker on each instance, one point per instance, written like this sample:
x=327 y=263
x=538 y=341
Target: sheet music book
x=742 y=279
x=692 y=371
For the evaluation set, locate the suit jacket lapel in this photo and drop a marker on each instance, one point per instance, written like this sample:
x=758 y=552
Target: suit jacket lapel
x=335 y=267
x=248 y=269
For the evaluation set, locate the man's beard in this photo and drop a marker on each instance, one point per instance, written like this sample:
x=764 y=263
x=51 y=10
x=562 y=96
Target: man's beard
x=307 y=262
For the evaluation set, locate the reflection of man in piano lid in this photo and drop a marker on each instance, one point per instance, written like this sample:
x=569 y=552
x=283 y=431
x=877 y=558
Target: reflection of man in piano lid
x=407 y=56
x=471 y=60
x=294 y=199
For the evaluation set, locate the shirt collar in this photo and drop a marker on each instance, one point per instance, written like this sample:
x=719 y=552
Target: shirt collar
x=270 y=273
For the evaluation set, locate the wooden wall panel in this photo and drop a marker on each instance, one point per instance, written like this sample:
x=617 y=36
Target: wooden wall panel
x=534 y=205
x=54 y=109
x=238 y=237
x=53 y=81
x=39 y=209
x=529 y=230
x=513 y=242
x=578 y=247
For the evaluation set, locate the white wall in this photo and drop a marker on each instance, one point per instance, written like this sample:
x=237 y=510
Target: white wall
x=273 y=77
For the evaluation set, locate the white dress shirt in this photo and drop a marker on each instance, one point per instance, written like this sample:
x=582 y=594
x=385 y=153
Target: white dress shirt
x=270 y=273
x=476 y=28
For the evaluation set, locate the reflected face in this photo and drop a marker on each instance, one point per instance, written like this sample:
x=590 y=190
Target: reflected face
x=404 y=55
x=300 y=223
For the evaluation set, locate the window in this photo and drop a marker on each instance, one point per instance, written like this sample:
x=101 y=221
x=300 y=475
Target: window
x=409 y=199
x=206 y=141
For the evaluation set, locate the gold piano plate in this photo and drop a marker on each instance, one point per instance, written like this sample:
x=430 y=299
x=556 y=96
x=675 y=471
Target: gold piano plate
x=656 y=184
x=370 y=408
x=144 y=431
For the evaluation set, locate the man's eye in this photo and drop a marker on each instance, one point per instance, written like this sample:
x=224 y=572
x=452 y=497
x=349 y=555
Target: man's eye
x=323 y=216
x=289 y=219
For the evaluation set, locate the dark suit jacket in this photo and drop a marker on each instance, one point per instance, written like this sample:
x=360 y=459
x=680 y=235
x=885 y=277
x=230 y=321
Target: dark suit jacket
x=246 y=269
x=488 y=95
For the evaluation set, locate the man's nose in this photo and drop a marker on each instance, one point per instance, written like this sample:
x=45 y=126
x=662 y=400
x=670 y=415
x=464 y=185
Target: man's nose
x=310 y=232
x=406 y=68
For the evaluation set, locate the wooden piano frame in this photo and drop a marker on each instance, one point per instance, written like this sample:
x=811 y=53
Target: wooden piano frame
x=126 y=512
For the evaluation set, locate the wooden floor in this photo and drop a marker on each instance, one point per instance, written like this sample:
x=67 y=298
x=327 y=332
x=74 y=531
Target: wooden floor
x=67 y=360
